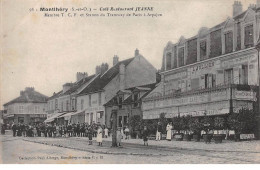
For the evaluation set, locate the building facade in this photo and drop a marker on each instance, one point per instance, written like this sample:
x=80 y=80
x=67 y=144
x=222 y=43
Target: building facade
x=29 y=108
x=213 y=73
x=123 y=75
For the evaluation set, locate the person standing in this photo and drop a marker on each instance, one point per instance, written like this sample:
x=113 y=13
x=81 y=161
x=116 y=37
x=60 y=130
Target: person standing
x=119 y=136
x=14 y=129
x=126 y=133
x=145 y=136
x=106 y=132
x=169 y=132
x=159 y=131
x=99 y=136
x=90 y=133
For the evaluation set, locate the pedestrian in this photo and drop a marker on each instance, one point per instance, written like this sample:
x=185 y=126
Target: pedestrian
x=159 y=131
x=145 y=136
x=34 y=131
x=99 y=136
x=23 y=130
x=169 y=131
x=106 y=132
x=126 y=133
x=14 y=129
x=118 y=136
x=78 y=129
x=90 y=133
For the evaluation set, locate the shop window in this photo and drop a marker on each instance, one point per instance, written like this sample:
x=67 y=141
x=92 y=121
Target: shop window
x=120 y=121
x=100 y=115
x=229 y=42
x=249 y=39
x=228 y=76
x=168 y=61
x=210 y=80
x=181 y=56
x=125 y=120
x=73 y=104
x=203 y=50
x=91 y=118
x=21 y=119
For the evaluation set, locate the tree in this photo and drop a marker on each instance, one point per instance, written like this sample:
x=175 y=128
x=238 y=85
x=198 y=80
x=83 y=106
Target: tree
x=178 y=123
x=243 y=122
x=163 y=121
x=195 y=126
x=219 y=123
x=207 y=123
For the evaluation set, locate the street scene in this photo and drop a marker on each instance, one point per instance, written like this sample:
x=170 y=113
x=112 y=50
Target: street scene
x=111 y=93
x=76 y=150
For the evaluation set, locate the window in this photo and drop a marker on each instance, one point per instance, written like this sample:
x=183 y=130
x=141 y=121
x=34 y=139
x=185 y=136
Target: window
x=181 y=56
x=62 y=106
x=120 y=101
x=210 y=80
x=229 y=42
x=215 y=44
x=73 y=104
x=244 y=74
x=125 y=120
x=203 y=50
x=82 y=104
x=36 y=109
x=99 y=99
x=21 y=109
x=67 y=105
x=238 y=36
x=175 y=57
x=120 y=121
x=89 y=100
x=249 y=39
x=91 y=118
x=136 y=99
x=168 y=61
x=228 y=77
x=192 y=51
x=56 y=104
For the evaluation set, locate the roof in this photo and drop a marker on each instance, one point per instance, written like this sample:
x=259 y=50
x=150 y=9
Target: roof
x=29 y=96
x=102 y=80
x=148 y=87
x=55 y=95
x=78 y=84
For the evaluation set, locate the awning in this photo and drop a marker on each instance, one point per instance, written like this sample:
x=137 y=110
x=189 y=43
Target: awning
x=79 y=112
x=66 y=116
x=8 y=115
x=52 y=118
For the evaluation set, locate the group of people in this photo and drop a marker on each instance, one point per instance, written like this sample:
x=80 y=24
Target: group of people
x=49 y=130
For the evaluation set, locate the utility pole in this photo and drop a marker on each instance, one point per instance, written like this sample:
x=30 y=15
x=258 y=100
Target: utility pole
x=114 y=125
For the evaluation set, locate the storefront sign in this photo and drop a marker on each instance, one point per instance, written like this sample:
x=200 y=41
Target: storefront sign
x=176 y=75
x=245 y=95
x=196 y=69
x=237 y=61
x=247 y=136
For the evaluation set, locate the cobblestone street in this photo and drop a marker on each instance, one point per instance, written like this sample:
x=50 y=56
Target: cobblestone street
x=77 y=150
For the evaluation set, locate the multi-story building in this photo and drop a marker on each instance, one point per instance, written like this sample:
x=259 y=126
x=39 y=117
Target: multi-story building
x=29 y=108
x=123 y=75
x=213 y=73
x=62 y=105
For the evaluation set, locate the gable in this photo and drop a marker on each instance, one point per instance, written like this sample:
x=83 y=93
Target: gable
x=250 y=16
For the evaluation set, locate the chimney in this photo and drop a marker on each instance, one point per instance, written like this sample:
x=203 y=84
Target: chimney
x=237 y=8
x=81 y=75
x=122 y=76
x=104 y=68
x=21 y=93
x=136 y=52
x=66 y=87
x=115 y=60
x=257 y=3
x=98 y=70
x=29 y=89
x=252 y=6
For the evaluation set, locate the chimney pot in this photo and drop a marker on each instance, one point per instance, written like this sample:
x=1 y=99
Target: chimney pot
x=136 y=52
x=115 y=60
x=237 y=8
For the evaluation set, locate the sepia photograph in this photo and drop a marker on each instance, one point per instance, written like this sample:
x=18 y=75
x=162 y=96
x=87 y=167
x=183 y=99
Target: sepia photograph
x=130 y=82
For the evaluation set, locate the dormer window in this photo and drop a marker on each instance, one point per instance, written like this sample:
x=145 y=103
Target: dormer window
x=249 y=38
x=120 y=101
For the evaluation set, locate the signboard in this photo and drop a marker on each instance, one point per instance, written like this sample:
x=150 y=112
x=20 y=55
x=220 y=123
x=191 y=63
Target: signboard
x=245 y=95
x=247 y=136
x=204 y=67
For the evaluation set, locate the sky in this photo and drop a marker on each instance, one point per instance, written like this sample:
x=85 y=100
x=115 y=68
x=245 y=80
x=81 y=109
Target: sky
x=45 y=53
